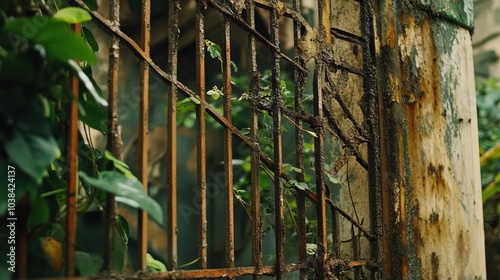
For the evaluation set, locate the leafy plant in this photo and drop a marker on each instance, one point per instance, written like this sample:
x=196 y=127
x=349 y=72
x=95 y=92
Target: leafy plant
x=37 y=61
x=488 y=107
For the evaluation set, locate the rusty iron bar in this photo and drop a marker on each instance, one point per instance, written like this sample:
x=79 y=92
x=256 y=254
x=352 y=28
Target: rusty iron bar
x=347 y=36
x=215 y=273
x=237 y=20
x=331 y=126
x=210 y=110
x=353 y=221
x=226 y=272
x=277 y=147
x=347 y=67
x=356 y=252
x=201 y=161
x=114 y=144
x=173 y=48
x=299 y=81
x=333 y=123
x=254 y=136
x=72 y=174
x=319 y=141
x=166 y=77
x=336 y=232
x=335 y=92
x=143 y=130
x=372 y=119
x=228 y=144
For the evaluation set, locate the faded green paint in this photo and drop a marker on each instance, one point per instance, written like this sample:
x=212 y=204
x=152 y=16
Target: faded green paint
x=461 y=11
x=444 y=36
x=429 y=148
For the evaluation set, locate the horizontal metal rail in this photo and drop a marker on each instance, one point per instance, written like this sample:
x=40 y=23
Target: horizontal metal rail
x=333 y=224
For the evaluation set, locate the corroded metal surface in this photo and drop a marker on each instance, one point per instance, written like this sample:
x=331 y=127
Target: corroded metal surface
x=143 y=129
x=72 y=176
x=201 y=162
x=330 y=124
x=114 y=144
x=432 y=202
x=173 y=34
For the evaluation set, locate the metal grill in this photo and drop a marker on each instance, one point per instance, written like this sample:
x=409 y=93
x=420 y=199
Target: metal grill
x=334 y=188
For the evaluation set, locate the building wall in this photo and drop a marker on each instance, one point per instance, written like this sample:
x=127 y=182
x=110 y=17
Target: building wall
x=486 y=39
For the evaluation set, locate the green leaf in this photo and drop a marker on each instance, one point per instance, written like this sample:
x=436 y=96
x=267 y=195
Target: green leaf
x=299 y=185
x=32 y=152
x=215 y=93
x=60 y=42
x=233 y=65
x=245 y=131
x=88 y=83
x=90 y=39
x=118 y=164
x=93 y=114
x=195 y=100
x=88 y=264
x=154 y=265
x=72 y=15
x=56 y=231
x=213 y=49
x=32 y=147
x=290 y=167
x=119 y=252
x=122 y=228
x=127 y=190
x=41 y=215
x=187 y=105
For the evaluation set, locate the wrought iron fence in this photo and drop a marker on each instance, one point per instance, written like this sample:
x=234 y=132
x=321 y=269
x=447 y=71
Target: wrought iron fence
x=334 y=184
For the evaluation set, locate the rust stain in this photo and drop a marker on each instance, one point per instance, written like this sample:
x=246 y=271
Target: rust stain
x=435 y=265
x=392 y=35
x=422 y=121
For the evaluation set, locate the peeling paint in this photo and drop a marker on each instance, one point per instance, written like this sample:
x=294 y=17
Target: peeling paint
x=461 y=11
x=430 y=148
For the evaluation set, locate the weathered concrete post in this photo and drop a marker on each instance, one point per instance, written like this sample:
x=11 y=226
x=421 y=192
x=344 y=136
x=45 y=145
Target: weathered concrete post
x=433 y=222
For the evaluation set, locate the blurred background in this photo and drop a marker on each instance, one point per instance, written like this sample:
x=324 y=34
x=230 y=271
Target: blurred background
x=486 y=44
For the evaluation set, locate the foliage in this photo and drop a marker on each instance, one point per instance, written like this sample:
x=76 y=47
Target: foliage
x=37 y=60
x=488 y=109
x=241 y=100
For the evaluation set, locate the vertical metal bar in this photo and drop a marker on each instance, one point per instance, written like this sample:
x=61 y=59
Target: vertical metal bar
x=114 y=133
x=336 y=233
x=72 y=174
x=278 y=156
x=319 y=146
x=299 y=80
x=356 y=252
x=143 y=130
x=319 y=141
x=254 y=134
x=228 y=144
x=201 y=131
x=371 y=116
x=173 y=45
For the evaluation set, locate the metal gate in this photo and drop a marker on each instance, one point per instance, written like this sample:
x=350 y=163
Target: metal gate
x=333 y=184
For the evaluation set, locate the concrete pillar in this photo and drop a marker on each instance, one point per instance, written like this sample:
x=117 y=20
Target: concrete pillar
x=433 y=221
